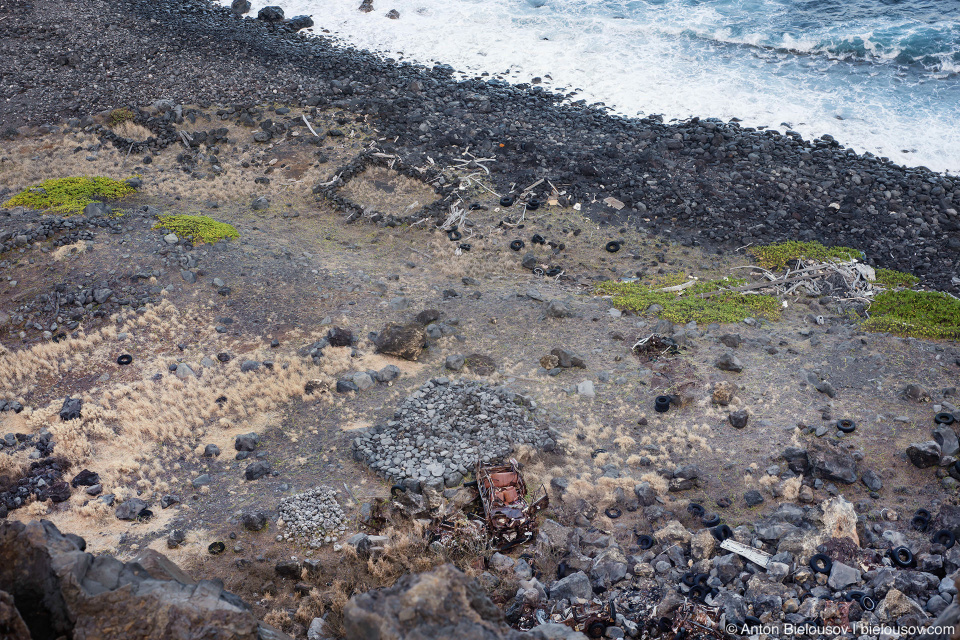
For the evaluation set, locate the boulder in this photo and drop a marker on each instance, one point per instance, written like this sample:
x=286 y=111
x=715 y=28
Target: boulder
x=256 y=470
x=840 y=519
x=71 y=409
x=831 y=463
x=12 y=625
x=442 y=603
x=729 y=362
x=724 y=392
x=59 y=590
x=130 y=509
x=402 y=341
x=924 y=454
x=576 y=585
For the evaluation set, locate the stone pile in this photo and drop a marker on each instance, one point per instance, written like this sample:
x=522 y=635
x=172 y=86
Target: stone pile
x=440 y=431
x=314 y=516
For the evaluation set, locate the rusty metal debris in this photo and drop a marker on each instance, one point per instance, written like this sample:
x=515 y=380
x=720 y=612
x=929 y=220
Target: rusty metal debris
x=694 y=620
x=592 y=618
x=511 y=516
x=656 y=345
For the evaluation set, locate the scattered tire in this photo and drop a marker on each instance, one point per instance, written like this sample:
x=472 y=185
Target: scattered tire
x=465 y=247
x=944 y=537
x=919 y=523
x=698 y=593
x=689 y=578
x=944 y=417
x=612 y=247
x=712 y=520
x=664 y=623
x=145 y=514
x=645 y=542
x=722 y=532
x=551 y=273
x=752 y=621
x=533 y=204
x=506 y=201
x=216 y=548
x=661 y=404
x=472 y=483
x=516 y=245
x=696 y=510
x=396 y=490
x=613 y=512
x=867 y=603
x=846 y=426
x=538 y=239
x=821 y=563
x=902 y=557
x=125 y=359
x=454 y=235
x=596 y=629
x=923 y=513
x=701 y=579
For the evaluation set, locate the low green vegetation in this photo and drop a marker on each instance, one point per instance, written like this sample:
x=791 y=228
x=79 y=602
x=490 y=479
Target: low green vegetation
x=688 y=305
x=119 y=116
x=200 y=228
x=919 y=314
x=69 y=195
x=778 y=256
x=893 y=279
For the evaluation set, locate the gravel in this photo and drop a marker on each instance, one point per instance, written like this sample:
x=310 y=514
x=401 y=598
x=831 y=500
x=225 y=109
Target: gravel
x=441 y=429
x=314 y=516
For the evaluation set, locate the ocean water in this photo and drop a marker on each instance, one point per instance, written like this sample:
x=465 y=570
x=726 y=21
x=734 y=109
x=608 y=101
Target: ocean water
x=881 y=76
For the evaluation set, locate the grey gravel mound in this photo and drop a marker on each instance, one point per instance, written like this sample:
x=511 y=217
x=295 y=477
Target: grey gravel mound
x=314 y=516
x=441 y=429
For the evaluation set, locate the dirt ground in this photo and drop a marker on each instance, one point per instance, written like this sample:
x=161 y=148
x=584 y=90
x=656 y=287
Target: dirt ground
x=298 y=269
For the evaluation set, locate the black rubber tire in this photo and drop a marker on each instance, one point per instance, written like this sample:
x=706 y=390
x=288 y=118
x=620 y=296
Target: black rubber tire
x=846 y=426
x=944 y=417
x=645 y=542
x=722 y=532
x=145 y=514
x=613 y=512
x=711 y=521
x=661 y=404
x=125 y=359
x=506 y=201
x=944 y=537
x=454 y=235
x=472 y=483
x=596 y=629
x=612 y=247
x=752 y=621
x=216 y=548
x=923 y=513
x=701 y=579
x=553 y=272
x=696 y=510
x=465 y=246
x=919 y=523
x=821 y=563
x=664 y=623
x=853 y=595
x=516 y=245
x=698 y=593
x=689 y=578
x=538 y=239
x=867 y=603
x=396 y=490
x=533 y=204
x=902 y=557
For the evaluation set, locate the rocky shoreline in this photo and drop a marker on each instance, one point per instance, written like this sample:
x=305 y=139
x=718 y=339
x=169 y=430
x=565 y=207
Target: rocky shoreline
x=701 y=182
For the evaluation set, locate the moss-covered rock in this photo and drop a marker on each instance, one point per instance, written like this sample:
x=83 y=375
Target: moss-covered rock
x=200 y=228
x=70 y=195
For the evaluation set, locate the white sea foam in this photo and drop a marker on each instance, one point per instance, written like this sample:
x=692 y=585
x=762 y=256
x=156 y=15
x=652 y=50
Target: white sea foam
x=678 y=61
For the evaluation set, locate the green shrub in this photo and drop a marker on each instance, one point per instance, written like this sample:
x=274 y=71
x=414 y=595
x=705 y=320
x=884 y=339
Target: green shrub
x=777 y=256
x=726 y=306
x=119 y=116
x=200 y=228
x=893 y=279
x=69 y=195
x=920 y=314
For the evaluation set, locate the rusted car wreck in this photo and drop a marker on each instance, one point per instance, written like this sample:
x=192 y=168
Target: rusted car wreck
x=510 y=513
